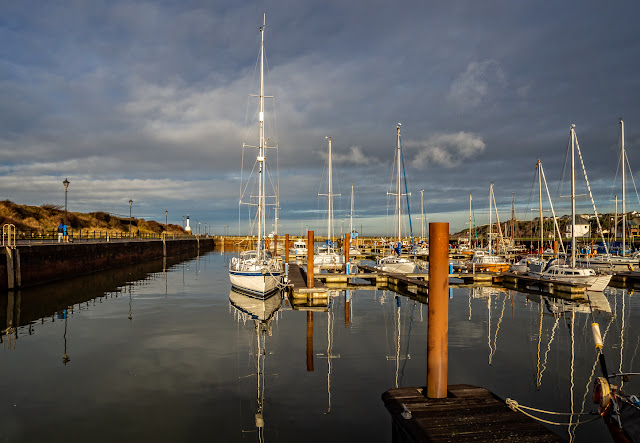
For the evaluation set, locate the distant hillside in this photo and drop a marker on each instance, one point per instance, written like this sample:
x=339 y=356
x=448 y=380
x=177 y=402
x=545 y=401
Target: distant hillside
x=48 y=217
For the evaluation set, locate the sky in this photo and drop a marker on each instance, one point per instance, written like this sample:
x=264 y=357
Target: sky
x=150 y=101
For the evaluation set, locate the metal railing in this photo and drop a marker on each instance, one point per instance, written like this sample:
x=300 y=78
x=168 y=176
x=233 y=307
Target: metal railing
x=9 y=235
x=89 y=235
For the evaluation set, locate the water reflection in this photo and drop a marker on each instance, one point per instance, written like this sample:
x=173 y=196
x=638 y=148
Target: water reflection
x=261 y=312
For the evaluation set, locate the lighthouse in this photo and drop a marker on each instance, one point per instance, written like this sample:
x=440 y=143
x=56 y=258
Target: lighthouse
x=187 y=228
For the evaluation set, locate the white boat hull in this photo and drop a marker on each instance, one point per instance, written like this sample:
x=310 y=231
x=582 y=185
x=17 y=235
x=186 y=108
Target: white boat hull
x=397 y=266
x=255 y=283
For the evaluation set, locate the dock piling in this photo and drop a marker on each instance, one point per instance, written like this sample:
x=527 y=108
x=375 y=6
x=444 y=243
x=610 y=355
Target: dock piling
x=438 y=327
x=310 y=281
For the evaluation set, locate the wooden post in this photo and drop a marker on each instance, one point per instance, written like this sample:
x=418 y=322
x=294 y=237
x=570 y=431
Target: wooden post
x=347 y=300
x=286 y=248
x=345 y=247
x=309 y=341
x=438 y=326
x=555 y=248
x=275 y=245
x=310 y=281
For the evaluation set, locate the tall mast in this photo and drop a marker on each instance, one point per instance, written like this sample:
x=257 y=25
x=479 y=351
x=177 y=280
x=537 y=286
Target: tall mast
x=330 y=221
x=421 y=214
x=351 y=215
x=261 y=180
x=624 y=215
x=469 y=219
x=490 y=221
x=573 y=198
x=513 y=218
x=540 y=196
x=399 y=193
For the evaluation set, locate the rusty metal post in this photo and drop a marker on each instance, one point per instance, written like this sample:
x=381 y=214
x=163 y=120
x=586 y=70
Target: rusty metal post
x=309 y=341
x=286 y=248
x=310 y=281
x=438 y=327
x=345 y=248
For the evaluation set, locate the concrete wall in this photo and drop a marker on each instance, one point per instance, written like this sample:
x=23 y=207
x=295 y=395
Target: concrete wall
x=30 y=265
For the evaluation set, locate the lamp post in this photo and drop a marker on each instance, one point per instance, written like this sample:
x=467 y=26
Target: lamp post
x=166 y=224
x=130 y=204
x=183 y=222
x=205 y=229
x=66 y=185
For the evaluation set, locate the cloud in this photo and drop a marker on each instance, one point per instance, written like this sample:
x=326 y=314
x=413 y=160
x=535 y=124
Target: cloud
x=446 y=150
x=473 y=86
x=354 y=156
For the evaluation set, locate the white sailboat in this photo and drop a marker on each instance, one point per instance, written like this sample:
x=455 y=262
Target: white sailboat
x=327 y=255
x=396 y=263
x=257 y=272
x=557 y=271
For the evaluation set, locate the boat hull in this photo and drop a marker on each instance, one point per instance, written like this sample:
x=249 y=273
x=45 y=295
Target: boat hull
x=399 y=266
x=255 y=283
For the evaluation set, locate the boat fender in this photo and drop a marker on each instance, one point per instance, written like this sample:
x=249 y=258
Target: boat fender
x=602 y=394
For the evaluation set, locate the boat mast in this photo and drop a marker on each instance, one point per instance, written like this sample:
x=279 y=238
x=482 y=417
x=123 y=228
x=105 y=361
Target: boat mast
x=539 y=165
x=421 y=214
x=399 y=193
x=513 y=218
x=490 y=220
x=470 y=220
x=330 y=216
x=260 y=159
x=624 y=215
x=351 y=216
x=573 y=198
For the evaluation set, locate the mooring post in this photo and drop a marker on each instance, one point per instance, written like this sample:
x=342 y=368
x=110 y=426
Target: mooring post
x=555 y=248
x=438 y=326
x=310 y=281
x=345 y=247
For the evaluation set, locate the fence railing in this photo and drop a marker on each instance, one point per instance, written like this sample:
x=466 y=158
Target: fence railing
x=88 y=235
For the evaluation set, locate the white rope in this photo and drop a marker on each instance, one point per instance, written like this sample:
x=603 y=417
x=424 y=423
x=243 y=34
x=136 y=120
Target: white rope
x=515 y=406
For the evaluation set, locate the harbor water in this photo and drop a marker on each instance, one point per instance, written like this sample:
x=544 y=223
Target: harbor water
x=164 y=351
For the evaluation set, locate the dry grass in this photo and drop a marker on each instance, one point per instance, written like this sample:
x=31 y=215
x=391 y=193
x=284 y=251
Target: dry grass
x=47 y=217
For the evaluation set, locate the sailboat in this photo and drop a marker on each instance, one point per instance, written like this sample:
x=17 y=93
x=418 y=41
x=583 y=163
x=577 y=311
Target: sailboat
x=557 y=271
x=327 y=255
x=484 y=260
x=257 y=272
x=396 y=263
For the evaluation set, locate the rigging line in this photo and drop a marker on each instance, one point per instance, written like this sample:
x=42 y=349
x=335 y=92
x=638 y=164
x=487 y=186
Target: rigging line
x=593 y=203
x=633 y=180
x=406 y=192
x=564 y=169
x=555 y=220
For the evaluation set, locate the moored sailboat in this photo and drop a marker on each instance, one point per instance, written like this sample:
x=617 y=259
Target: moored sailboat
x=394 y=262
x=257 y=272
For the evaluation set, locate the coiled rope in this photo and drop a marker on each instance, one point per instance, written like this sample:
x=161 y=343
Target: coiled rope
x=514 y=405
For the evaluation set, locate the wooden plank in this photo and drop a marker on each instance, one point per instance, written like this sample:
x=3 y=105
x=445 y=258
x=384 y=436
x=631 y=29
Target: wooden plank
x=469 y=413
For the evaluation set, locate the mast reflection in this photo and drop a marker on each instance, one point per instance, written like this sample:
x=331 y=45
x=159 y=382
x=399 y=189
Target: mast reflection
x=261 y=312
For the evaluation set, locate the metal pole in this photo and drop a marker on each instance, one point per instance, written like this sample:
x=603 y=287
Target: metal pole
x=310 y=281
x=345 y=247
x=438 y=325
x=166 y=223
x=66 y=185
x=130 y=203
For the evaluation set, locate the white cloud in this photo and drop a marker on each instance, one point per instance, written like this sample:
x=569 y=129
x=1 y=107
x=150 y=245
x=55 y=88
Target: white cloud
x=446 y=149
x=354 y=156
x=473 y=86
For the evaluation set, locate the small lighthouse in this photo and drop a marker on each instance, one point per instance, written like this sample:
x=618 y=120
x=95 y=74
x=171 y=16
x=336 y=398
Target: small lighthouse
x=187 y=228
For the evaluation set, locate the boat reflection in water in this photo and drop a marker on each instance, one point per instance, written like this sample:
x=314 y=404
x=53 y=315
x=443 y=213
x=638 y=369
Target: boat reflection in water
x=262 y=312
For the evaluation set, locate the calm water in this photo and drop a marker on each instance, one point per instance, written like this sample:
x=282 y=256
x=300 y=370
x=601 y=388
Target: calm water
x=142 y=354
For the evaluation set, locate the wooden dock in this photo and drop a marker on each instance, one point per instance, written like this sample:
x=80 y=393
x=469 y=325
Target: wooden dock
x=298 y=280
x=469 y=413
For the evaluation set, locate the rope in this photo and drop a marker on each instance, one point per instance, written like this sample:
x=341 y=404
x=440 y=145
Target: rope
x=515 y=406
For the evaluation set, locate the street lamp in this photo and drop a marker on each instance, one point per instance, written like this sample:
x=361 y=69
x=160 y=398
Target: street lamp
x=166 y=224
x=183 y=222
x=130 y=203
x=66 y=185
